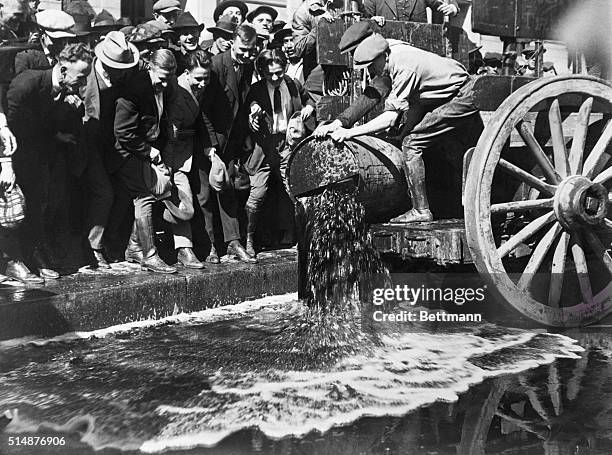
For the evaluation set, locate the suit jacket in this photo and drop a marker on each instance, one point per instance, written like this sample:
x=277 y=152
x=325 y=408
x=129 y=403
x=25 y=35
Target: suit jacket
x=224 y=97
x=190 y=133
x=31 y=115
x=97 y=132
x=257 y=145
x=389 y=9
x=135 y=121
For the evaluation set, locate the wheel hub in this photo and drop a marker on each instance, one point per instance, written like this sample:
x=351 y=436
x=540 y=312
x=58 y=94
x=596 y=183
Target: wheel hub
x=579 y=201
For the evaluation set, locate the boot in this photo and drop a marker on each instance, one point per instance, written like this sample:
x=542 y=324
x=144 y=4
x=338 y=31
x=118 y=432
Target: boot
x=151 y=260
x=213 y=256
x=44 y=269
x=133 y=252
x=236 y=249
x=187 y=258
x=100 y=260
x=414 y=167
x=17 y=270
x=251 y=228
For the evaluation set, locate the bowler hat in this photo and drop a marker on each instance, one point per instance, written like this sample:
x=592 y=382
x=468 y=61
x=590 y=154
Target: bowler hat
x=224 y=26
x=186 y=20
x=263 y=9
x=354 y=35
x=368 y=50
x=223 y=5
x=114 y=51
x=55 y=23
x=166 y=6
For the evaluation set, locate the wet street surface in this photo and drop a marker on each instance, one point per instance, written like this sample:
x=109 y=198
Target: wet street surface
x=237 y=380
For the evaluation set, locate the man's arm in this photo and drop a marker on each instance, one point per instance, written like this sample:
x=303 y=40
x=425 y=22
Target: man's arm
x=373 y=94
x=380 y=123
x=304 y=32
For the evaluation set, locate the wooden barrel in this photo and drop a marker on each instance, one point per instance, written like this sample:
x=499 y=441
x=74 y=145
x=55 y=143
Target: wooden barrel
x=373 y=165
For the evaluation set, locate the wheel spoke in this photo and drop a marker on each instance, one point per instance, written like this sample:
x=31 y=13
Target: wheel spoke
x=599 y=249
x=582 y=270
x=525 y=233
x=526 y=177
x=558 y=140
x=607 y=223
x=522 y=206
x=547 y=168
x=598 y=157
x=538 y=256
x=604 y=176
x=557 y=270
x=576 y=154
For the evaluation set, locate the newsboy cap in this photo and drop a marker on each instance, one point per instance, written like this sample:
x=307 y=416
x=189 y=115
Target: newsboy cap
x=166 y=6
x=354 y=35
x=368 y=50
x=55 y=23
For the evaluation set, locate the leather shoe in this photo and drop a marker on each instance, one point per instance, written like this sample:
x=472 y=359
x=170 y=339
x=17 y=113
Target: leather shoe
x=155 y=264
x=413 y=216
x=187 y=258
x=18 y=271
x=44 y=269
x=236 y=249
x=213 y=256
x=100 y=260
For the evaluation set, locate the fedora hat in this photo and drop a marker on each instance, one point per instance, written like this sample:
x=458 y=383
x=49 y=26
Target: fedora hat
x=223 y=5
x=82 y=24
x=225 y=26
x=263 y=9
x=179 y=206
x=105 y=21
x=116 y=52
x=186 y=20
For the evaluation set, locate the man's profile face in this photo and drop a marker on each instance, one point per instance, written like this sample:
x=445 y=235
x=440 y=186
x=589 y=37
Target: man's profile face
x=244 y=52
x=274 y=74
x=74 y=75
x=189 y=39
x=117 y=76
x=160 y=78
x=378 y=67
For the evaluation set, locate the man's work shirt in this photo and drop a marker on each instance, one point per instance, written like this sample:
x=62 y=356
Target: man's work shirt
x=421 y=77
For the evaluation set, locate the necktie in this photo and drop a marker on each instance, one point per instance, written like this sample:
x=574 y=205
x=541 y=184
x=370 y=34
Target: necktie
x=278 y=107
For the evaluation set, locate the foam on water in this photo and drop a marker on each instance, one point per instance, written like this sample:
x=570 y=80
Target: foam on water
x=96 y=404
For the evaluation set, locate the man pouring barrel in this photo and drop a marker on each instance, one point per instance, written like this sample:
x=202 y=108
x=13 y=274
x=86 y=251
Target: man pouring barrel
x=430 y=100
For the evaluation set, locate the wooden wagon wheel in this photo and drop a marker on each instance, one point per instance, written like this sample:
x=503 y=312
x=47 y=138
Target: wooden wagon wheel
x=565 y=223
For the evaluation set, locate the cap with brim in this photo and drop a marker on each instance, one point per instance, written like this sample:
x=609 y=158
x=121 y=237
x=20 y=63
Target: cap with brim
x=223 y=5
x=179 y=206
x=166 y=6
x=56 y=24
x=282 y=33
x=278 y=26
x=354 y=35
x=368 y=50
x=263 y=9
x=187 y=21
x=114 y=51
x=221 y=31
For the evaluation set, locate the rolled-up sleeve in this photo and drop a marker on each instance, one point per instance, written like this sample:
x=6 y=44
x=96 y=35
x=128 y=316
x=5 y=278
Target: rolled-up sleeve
x=405 y=85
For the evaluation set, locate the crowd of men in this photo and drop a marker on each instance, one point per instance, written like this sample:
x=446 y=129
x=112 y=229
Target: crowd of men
x=160 y=129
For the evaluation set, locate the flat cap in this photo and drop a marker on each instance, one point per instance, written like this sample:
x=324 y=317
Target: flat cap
x=145 y=33
x=354 y=35
x=166 y=6
x=56 y=24
x=368 y=50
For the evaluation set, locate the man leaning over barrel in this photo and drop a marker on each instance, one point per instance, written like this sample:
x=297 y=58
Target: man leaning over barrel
x=432 y=98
